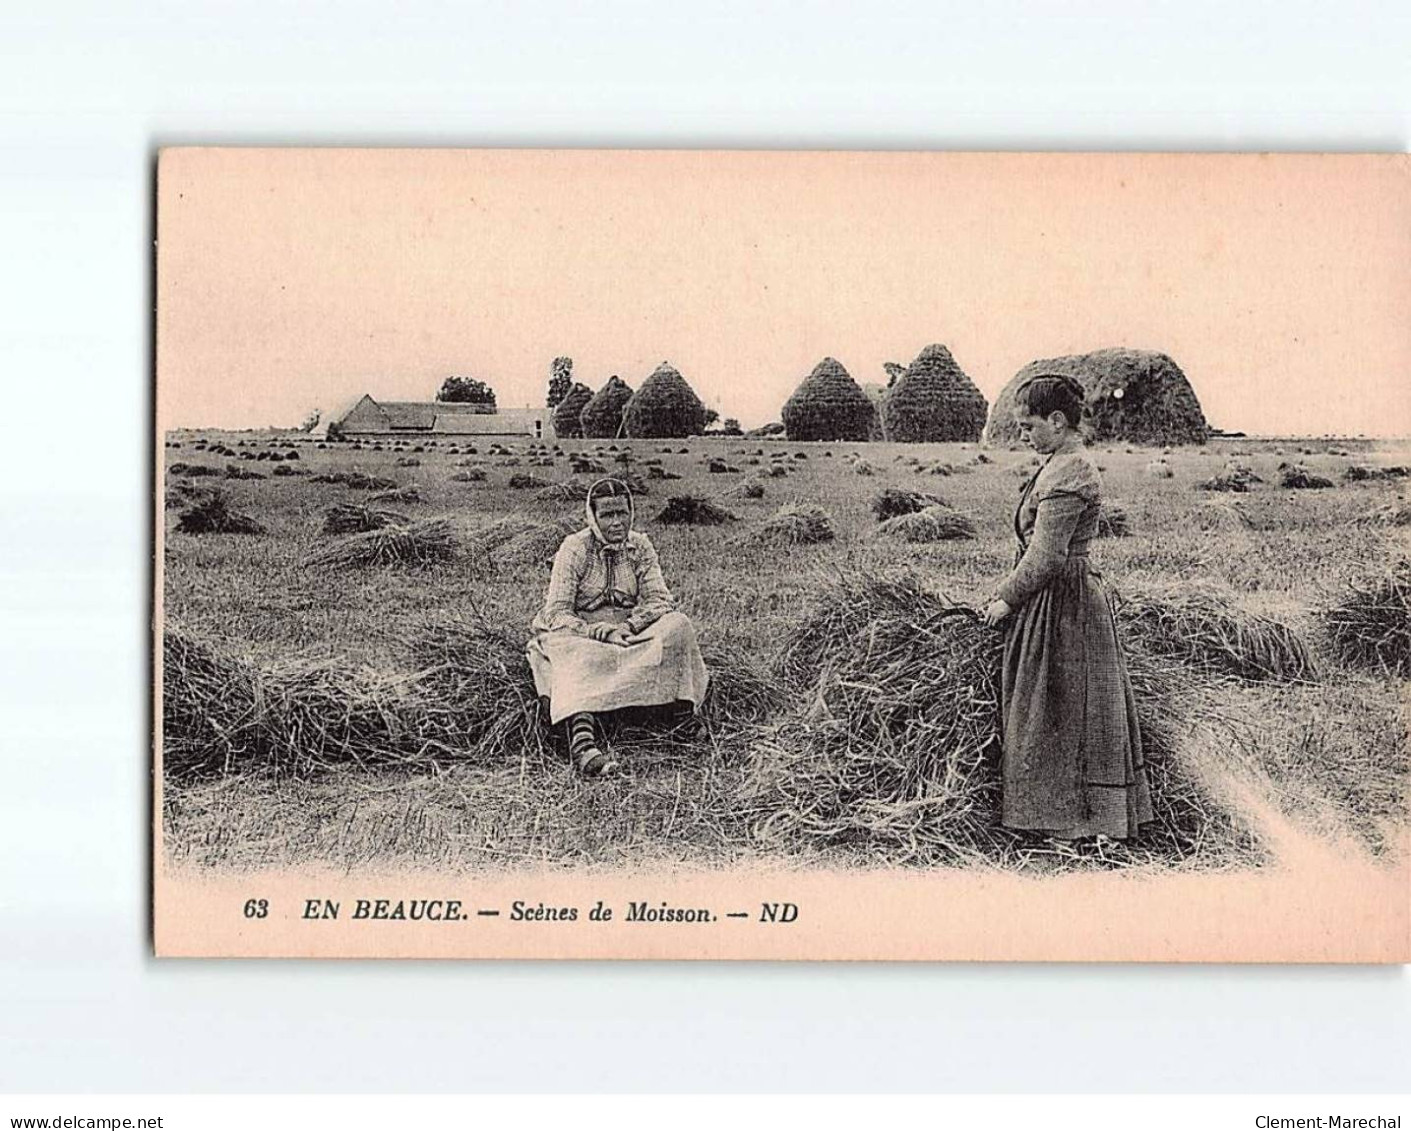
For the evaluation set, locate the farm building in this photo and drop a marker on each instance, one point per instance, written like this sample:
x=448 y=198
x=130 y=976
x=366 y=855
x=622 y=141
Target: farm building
x=1139 y=396
x=383 y=419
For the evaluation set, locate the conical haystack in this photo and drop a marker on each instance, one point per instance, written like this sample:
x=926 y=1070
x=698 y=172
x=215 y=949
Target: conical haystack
x=601 y=417
x=566 y=423
x=1136 y=396
x=664 y=407
x=934 y=401
x=828 y=405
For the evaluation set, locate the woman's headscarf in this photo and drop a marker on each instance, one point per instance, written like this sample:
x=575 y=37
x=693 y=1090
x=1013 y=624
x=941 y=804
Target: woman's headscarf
x=593 y=493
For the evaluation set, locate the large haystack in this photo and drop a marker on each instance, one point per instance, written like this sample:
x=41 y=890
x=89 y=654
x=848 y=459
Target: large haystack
x=664 y=407
x=1136 y=396
x=567 y=425
x=601 y=417
x=933 y=401
x=829 y=405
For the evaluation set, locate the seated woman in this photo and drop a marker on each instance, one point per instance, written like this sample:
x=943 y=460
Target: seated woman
x=609 y=635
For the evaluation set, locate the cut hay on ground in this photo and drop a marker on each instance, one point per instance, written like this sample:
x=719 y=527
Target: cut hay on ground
x=416 y=544
x=1223 y=514
x=693 y=510
x=210 y=513
x=798 y=524
x=350 y=518
x=523 y=481
x=1370 y=625
x=471 y=475
x=933 y=524
x=535 y=545
x=235 y=471
x=1207 y=629
x=401 y=496
x=892 y=501
x=1223 y=482
x=569 y=491
x=899 y=757
x=193 y=470
x=1300 y=478
x=356 y=480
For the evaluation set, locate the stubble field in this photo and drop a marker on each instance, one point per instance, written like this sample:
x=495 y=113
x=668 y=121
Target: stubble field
x=802 y=760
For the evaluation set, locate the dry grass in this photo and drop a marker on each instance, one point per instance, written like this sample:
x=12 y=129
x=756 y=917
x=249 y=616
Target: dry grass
x=350 y=518
x=797 y=524
x=417 y=544
x=210 y=513
x=1208 y=629
x=1369 y=625
x=890 y=502
x=933 y=524
x=897 y=757
x=694 y=510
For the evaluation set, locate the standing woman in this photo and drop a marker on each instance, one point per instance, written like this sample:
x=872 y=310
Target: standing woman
x=1072 y=764
x=609 y=635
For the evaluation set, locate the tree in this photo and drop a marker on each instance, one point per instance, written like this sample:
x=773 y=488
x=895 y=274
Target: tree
x=711 y=417
x=311 y=421
x=731 y=427
x=465 y=390
x=560 y=380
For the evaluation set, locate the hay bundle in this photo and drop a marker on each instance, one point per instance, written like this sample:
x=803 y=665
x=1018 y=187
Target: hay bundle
x=285 y=471
x=798 y=524
x=523 y=481
x=356 y=480
x=349 y=518
x=899 y=756
x=931 y=524
x=567 y=425
x=1370 y=625
x=720 y=467
x=569 y=491
x=1223 y=514
x=534 y=545
x=1159 y=469
x=934 y=401
x=693 y=510
x=235 y=471
x=1112 y=522
x=1224 y=482
x=402 y=496
x=753 y=490
x=1137 y=396
x=829 y=405
x=1357 y=473
x=1396 y=513
x=192 y=470
x=863 y=468
x=776 y=471
x=601 y=416
x=470 y=475
x=665 y=407
x=892 y=501
x=409 y=461
x=1207 y=629
x=416 y=544
x=1299 y=478
x=478 y=677
x=210 y=513
x=655 y=471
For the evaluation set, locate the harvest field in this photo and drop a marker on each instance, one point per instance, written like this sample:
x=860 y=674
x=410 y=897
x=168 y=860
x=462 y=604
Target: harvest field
x=319 y=710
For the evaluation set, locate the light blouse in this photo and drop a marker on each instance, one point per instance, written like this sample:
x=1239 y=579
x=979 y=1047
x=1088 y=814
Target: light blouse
x=590 y=574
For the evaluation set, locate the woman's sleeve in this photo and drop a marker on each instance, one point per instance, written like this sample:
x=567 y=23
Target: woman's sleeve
x=654 y=599
x=1056 y=517
x=558 y=613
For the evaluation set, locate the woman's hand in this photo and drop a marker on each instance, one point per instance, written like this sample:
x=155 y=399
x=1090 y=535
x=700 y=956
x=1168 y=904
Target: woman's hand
x=996 y=611
x=601 y=631
x=620 y=636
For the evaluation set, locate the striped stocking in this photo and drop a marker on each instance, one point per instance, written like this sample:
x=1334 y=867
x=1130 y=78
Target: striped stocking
x=582 y=740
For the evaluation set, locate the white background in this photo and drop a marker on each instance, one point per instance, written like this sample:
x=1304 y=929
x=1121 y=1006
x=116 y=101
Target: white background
x=87 y=91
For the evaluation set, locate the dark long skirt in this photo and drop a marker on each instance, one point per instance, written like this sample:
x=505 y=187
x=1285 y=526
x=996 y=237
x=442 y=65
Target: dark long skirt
x=1072 y=763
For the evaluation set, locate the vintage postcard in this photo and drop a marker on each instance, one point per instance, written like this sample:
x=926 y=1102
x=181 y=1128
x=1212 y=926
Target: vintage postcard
x=770 y=555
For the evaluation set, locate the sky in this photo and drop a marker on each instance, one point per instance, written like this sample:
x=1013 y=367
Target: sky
x=294 y=279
